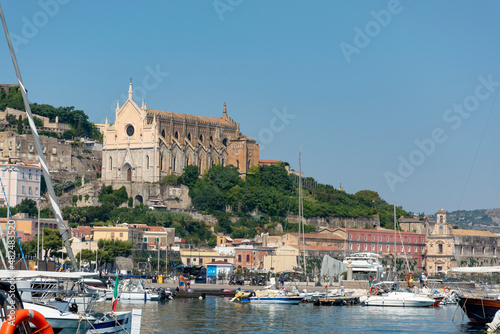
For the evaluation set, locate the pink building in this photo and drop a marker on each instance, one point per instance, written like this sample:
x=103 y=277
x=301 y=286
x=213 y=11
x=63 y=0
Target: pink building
x=382 y=242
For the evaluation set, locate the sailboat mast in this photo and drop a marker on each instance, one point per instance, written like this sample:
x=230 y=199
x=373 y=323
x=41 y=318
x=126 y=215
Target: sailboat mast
x=301 y=205
x=300 y=211
x=395 y=246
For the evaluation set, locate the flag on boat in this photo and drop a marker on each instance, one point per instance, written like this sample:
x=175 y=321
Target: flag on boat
x=115 y=293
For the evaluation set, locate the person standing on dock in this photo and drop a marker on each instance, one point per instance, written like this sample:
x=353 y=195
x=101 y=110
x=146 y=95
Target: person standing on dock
x=181 y=282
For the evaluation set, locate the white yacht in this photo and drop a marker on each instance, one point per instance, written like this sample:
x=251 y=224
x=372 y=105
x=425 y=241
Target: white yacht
x=365 y=265
x=400 y=298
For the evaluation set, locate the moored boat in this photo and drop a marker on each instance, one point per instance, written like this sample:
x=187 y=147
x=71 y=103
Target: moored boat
x=479 y=309
x=399 y=299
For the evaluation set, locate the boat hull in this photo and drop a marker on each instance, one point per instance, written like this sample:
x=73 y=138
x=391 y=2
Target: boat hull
x=110 y=325
x=272 y=300
x=139 y=296
x=404 y=299
x=480 y=310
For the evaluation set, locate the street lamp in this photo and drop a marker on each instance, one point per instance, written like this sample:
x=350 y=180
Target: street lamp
x=40 y=199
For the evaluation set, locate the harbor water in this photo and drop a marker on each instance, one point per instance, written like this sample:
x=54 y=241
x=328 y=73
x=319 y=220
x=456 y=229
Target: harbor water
x=220 y=315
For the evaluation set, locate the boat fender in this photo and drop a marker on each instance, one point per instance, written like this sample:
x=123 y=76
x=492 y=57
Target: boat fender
x=373 y=290
x=35 y=317
x=447 y=289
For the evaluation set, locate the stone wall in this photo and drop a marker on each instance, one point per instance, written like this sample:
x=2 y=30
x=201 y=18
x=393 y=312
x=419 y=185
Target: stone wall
x=334 y=222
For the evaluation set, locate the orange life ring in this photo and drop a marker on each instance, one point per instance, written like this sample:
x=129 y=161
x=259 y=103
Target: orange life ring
x=447 y=289
x=36 y=318
x=373 y=290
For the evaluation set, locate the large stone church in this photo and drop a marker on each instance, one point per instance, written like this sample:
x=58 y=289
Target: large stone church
x=144 y=145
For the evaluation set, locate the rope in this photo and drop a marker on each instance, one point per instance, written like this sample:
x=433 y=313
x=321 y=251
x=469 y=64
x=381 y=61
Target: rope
x=482 y=304
x=113 y=315
x=42 y=329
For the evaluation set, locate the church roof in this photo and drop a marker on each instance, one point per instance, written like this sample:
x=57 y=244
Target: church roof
x=474 y=233
x=192 y=118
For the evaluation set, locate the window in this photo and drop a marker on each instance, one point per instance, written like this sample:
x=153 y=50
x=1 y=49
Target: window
x=239 y=258
x=415 y=240
x=366 y=247
x=188 y=261
x=422 y=240
x=373 y=247
x=350 y=235
x=24 y=176
x=23 y=191
x=147 y=161
x=387 y=249
x=350 y=246
x=30 y=192
x=416 y=249
x=121 y=234
x=213 y=260
x=366 y=238
x=225 y=260
x=30 y=177
x=248 y=258
x=380 y=248
x=440 y=248
x=358 y=246
x=201 y=261
x=409 y=249
x=110 y=163
x=36 y=176
x=387 y=239
x=380 y=239
x=373 y=238
x=358 y=237
x=145 y=239
x=189 y=136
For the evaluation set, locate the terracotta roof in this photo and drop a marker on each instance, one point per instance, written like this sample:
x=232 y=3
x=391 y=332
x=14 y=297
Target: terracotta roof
x=319 y=236
x=474 y=233
x=319 y=248
x=191 y=117
x=219 y=262
x=381 y=231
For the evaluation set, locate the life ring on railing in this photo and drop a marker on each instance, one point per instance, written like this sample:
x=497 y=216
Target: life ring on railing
x=36 y=318
x=373 y=290
x=447 y=289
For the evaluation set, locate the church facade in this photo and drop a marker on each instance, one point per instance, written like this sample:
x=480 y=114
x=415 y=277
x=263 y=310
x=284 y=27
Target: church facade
x=144 y=145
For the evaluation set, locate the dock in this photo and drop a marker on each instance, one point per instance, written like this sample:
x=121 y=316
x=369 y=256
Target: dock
x=337 y=301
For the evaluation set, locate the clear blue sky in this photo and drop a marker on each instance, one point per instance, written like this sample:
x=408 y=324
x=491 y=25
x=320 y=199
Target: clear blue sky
x=364 y=81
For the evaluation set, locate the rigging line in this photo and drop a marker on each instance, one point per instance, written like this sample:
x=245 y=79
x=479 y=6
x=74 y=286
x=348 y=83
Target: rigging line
x=13 y=222
x=477 y=151
x=48 y=181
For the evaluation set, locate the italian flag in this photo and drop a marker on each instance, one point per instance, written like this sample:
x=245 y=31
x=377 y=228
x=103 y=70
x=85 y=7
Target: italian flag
x=115 y=293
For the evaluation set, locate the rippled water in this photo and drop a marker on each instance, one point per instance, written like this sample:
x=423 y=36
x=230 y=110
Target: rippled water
x=219 y=315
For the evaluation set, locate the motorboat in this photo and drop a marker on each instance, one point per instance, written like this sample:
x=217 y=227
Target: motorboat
x=365 y=265
x=268 y=296
x=399 y=298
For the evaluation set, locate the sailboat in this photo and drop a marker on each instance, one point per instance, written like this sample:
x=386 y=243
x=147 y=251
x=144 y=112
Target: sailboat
x=398 y=297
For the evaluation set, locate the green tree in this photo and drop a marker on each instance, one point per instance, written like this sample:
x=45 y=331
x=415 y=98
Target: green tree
x=20 y=125
x=51 y=241
x=28 y=206
x=190 y=176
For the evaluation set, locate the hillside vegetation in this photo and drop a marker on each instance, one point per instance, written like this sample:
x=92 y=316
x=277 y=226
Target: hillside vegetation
x=77 y=119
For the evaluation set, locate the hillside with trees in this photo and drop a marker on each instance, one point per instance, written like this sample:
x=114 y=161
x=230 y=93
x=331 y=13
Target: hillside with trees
x=78 y=121
x=243 y=207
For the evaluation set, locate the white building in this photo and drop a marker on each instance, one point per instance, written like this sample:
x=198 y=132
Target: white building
x=20 y=180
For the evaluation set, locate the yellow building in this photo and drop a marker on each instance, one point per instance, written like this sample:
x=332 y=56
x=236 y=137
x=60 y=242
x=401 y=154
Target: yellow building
x=122 y=232
x=283 y=259
x=200 y=257
x=440 y=246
